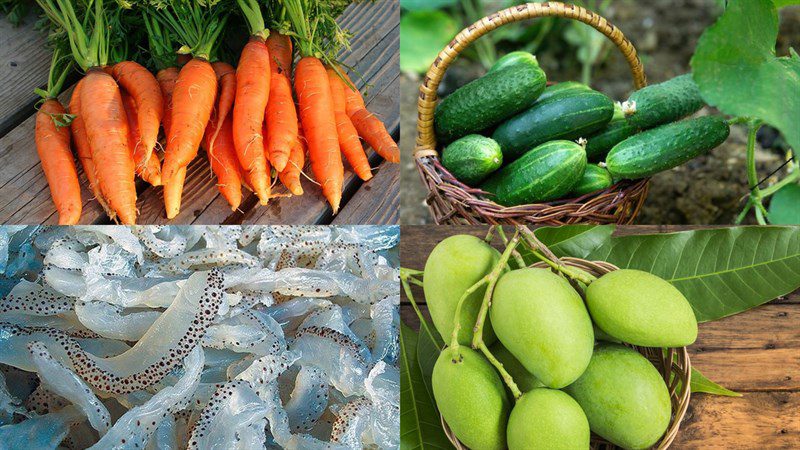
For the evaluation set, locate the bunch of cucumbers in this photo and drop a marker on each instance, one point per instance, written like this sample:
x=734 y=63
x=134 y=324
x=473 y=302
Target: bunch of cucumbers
x=513 y=137
x=563 y=348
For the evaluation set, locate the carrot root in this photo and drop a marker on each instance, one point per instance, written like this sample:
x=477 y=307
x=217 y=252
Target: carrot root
x=52 y=144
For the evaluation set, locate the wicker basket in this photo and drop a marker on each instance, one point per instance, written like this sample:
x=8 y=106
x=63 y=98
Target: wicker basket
x=452 y=202
x=677 y=373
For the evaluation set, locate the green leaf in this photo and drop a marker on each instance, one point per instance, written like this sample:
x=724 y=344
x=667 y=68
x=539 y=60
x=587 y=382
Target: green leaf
x=429 y=346
x=784 y=208
x=737 y=71
x=702 y=384
x=782 y=3
x=722 y=271
x=575 y=240
x=425 y=34
x=420 y=427
x=419 y=5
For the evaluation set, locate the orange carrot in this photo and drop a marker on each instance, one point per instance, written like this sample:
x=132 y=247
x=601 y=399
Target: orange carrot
x=252 y=95
x=290 y=177
x=166 y=81
x=52 y=144
x=281 y=119
x=83 y=149
x=148 y=169
x=280 y=52
x=319 y=125
x=226 y=79
x=370 y=127
x=107 y=129
x=224 y=162
x=143 y=87
x=348 y=136
x=192 y=104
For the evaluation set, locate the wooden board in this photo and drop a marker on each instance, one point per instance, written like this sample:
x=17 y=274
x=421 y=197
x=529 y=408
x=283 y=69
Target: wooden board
x=25 y=198
x=756 y=352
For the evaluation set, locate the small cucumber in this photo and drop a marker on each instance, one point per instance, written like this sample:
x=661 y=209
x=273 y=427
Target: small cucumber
x=594 y=178
x=472 y=158
x=665 y=147
x=578 y=114
x=547 y=172
x=487 y=101
x=510 y=59
x=665 y=102
x=562 y=89
x=616 y=131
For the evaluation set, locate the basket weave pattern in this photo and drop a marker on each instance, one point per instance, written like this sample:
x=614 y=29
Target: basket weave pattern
x=673 y=364
x=450 y=201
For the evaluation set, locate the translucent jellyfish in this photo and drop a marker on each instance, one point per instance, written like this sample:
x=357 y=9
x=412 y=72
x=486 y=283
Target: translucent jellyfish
x=62 y=381
x=44 y=432
x=205 y=259
x=34 y=299
x=165 y=437
x=386 y=323
x=119 y=235
x=250 y=331
x=114 y=322
x=337 y=354
x=383 y=390
x=295 y=308
x=353 y=420
x=152 y=239
x=9 y=405
x=135 y=428
x=308 y=400
x=233 y=408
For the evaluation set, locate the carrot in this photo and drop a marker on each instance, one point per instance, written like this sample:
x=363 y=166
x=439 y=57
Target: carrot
x=192 y=103
x=226 y=79
x=290 y=177
x=281 y=119
x=143 y=87
x=148 y=169
x=166 y=81
x=370 y=127
x=252 y=95
x=81 y=141
x=348 y=136
x=52 y=144
x=319 y=124
x=280 y=52
x=107 y=129
x=224 y=162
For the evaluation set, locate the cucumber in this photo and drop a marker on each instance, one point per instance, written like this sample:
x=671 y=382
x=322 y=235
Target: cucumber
x=665 y=102
x=472 y=158
x=594 y=178
x=578 y=114
x=547 y=172
x=665 y=147
x=562 y=89
x=510 y=59
x=616 y=131
x=487 y=101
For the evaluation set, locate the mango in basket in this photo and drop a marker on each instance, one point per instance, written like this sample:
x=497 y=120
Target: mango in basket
x=547 y=419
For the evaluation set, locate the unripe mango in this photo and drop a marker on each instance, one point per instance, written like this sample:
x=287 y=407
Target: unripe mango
x=547 y=419
x=471 y=398
x=524 y=379
x=454 y=265
x=624 y=397
x=542 y=321
x=641 y=309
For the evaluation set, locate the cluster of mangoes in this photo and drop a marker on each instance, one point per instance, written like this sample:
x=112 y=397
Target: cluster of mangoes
x=563 y=352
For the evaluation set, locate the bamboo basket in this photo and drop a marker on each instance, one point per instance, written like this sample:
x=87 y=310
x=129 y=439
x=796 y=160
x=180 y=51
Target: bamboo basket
x=452 y=202
x=673 y=364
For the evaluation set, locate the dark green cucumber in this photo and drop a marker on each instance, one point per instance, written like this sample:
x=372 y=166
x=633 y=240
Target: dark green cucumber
x=665 y=147
x=472 y=158
x=547 y=172
x=594 y=178
x=665 y=102
x=578 y=114
x=562 y=89
x=487 y=101
x=510 y=59
x=598 y=145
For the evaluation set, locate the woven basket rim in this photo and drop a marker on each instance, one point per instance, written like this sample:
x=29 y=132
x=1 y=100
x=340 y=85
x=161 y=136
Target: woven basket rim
x=679 y=386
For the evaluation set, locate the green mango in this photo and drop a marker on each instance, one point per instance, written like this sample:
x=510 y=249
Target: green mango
x=454 y=265
x=471 y=397
x=624 y=397
x=641 y=309
x=547 y=419
x=524 y=379
x=542 y=321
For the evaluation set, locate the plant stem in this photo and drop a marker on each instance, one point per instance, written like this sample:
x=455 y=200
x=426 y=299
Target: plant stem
x=792 y=177
x=752 y=174
x=457 y=317
x=517 y=257
x=423 y=324
x=507 y=378
x=574 y=273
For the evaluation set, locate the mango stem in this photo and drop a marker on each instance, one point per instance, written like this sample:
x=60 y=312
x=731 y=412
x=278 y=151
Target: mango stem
x=507 y=378
x=456 y=321
x=534 y=245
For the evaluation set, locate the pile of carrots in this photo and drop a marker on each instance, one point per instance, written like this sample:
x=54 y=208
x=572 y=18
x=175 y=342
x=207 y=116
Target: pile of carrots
x=257 y=122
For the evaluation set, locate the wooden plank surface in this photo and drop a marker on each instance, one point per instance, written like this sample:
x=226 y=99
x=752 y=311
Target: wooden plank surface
x=756 y=352
x=25 y=198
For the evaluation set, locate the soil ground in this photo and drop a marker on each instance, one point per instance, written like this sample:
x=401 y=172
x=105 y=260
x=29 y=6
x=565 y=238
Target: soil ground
x=707 y=190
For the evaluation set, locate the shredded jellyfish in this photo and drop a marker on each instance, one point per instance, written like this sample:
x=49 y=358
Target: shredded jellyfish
x=162 y=247
x=385 y=323
x=383 y=390
x=353 y=420
x=65 y=383
x=113 y=322
x=27 y=297
x=9 y=405
x=40 y=432
x=308 y=400
x=166 y=435
x=205 y=259
x=234 y=407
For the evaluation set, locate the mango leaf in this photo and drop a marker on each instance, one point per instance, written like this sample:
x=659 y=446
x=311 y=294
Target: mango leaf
x=722 y=271
x=429 y=346
x=419 y=422
x=702 y=384
x=737 y=71
x=784 y=207
x=576 y=240
x=425 y=34
x=418 y=5
x=782 y=3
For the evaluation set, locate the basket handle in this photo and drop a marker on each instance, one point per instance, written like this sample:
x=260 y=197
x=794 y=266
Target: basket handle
x=426 y=140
